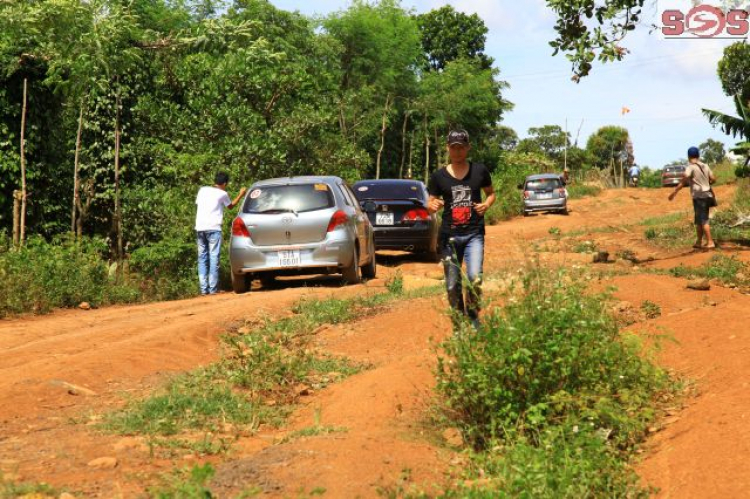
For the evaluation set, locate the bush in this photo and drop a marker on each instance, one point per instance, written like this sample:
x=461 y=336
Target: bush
x=552 y=356
x=168 y=269
x=577 y=191
x=41 y=276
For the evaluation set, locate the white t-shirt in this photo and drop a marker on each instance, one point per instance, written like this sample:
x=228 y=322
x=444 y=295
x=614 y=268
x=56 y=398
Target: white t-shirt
x=700 y=185
x=211 y=202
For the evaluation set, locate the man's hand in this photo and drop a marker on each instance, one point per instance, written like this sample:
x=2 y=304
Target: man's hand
x=481 y=208
x=242 y=192
x=435 y=204
x=671 y=196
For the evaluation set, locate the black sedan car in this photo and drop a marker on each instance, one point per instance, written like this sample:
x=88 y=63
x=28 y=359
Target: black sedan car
x=397 y=210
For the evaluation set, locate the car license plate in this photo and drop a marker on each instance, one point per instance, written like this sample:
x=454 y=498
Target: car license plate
x=289 y=258
x=384 y=218
x=544 y=195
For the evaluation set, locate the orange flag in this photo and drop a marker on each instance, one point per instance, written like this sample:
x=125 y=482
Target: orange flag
x=625 y=110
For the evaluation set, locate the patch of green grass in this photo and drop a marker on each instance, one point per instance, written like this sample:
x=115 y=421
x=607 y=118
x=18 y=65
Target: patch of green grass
x=185 y=484
x=209 y=445
x=650 y=309
x=314 y=431
x=664 y=219
x=577 y=191
x=12 y=490
x=395 y=283
x=550 y=395
x=196 y=401
x=726 y=269
x=555 y=231
x=585 y=247
x=257 y=380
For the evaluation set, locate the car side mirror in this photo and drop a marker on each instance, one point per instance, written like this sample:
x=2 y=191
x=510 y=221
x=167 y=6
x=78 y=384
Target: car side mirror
x=370 y=206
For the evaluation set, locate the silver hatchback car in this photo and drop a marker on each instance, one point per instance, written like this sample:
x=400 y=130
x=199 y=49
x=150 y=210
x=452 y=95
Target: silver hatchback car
x=544 y=192
x=300 y=225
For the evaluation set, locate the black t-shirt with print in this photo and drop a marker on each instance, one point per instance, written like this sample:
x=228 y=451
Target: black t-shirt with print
x=459 y=216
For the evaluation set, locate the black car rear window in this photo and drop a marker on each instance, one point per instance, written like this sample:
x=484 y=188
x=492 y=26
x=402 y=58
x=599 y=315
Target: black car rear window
x=674 y=169
x=295 y=198
x=543 y=184
x=378 y=190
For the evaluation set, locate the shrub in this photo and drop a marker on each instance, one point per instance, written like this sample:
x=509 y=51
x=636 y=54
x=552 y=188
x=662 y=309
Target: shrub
x=553 y=355
x=577 y=191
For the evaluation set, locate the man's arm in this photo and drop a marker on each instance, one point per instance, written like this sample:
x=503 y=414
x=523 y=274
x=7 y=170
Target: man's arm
x=683 y=183
x=236 y=200
x=434 y=204
x=481 y=208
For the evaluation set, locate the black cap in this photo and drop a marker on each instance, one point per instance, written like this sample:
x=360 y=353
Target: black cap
x=458 y=137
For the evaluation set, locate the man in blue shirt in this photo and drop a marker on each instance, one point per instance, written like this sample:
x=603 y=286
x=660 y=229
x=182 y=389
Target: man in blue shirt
x=634 y=172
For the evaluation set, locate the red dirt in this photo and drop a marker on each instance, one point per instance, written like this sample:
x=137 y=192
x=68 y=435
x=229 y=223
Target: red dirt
x=383 y=439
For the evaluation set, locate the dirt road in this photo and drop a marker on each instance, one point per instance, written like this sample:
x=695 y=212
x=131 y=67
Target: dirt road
x=48 y=434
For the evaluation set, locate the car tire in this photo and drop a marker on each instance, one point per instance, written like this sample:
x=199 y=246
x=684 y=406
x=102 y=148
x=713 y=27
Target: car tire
x=564 y=211
x=525 y=213
x=351 y=273
x=240 y=283
x=370 y=270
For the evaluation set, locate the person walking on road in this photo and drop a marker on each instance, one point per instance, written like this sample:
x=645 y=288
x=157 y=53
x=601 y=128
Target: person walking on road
x=699 y=177
x=457 y=189
x=211 y=201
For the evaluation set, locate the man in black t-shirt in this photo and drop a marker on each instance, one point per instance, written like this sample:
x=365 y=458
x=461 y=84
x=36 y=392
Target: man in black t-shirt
x=457 y=189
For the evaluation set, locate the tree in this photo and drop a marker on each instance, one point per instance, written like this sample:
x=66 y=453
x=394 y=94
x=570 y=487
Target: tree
x=448 y=35
x=712 y=151
x=589 y=30
x=734 y=72
x=606 y=145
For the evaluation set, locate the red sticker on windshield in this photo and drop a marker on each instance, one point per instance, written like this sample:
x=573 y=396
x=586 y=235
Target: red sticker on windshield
x=255 y=193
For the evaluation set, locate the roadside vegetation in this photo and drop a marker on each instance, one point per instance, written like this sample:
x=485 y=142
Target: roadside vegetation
x=267 y=366
x=551 y=398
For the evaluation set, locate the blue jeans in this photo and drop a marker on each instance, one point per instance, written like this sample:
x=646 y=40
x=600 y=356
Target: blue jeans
x=454 y=250
x=209 y=246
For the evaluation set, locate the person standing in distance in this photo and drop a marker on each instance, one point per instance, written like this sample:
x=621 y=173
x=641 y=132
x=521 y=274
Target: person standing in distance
x=457 y=189
x=211 y=201
x=699 y=177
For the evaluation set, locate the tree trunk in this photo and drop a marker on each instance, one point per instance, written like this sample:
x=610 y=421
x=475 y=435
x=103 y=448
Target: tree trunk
x=17 y=195
x=24 y=194
x=118 y=213
x=403 y=145
x=383 y=128
x=76 y=184
x=411 y=154
x=426 y=153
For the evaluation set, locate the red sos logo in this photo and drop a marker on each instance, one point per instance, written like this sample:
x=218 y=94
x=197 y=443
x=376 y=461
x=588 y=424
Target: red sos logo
x=706 y=21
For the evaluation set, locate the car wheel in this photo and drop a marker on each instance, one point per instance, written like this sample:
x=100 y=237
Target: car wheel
x=525 y=213
x=351 y=273
x=240 y=283
x=564 y=211
x=370 y=270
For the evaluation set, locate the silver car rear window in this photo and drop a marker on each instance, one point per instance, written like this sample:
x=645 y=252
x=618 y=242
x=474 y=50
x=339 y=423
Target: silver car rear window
x=297 y=198
x=544 y=184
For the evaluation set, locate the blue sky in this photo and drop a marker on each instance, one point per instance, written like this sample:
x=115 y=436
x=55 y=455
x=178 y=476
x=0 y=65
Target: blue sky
x=664 y=83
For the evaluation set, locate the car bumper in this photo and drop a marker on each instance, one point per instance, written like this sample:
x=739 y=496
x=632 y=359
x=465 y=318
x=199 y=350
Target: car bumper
x=545 y=204
x=670 y=182
x=406 y=238
x=330 y=255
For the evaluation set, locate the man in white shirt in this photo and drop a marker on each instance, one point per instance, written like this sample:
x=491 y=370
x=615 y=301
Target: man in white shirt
x=211 y=202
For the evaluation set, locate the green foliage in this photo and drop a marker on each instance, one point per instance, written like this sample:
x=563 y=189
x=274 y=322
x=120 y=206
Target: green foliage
x=726 y=269
x=578 y=191
x=606 y=144
x=712 y=152
x=186 y=484
x=11 y=490
x=449 y=35
x=650 y=178
x=512 y=169
x=193 y=402
x=395 y=283
x=650 y=309
x=552 y=356
x=589 y=30
x=734 y=71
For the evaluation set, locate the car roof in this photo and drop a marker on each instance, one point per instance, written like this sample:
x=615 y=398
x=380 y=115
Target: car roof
x=389 y=181
x=543 y=176
x=302 y=179
x=675 y=166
